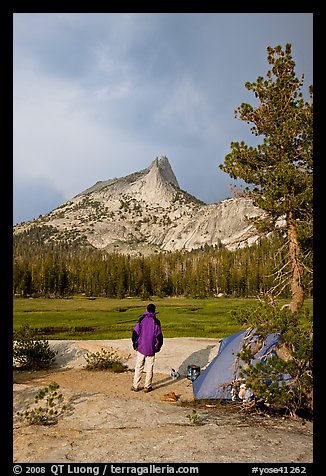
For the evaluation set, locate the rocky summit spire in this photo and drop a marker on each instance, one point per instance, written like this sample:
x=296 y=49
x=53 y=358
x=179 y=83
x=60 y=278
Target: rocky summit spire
x=163 y=168
x=158 y=184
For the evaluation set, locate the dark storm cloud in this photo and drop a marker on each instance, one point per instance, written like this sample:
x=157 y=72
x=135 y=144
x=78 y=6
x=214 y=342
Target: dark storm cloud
x=98 y=96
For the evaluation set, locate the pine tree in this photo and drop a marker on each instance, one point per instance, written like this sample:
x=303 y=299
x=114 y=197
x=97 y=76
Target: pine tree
x=279 y=170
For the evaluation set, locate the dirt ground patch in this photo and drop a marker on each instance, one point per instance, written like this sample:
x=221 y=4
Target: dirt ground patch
x=107 y=422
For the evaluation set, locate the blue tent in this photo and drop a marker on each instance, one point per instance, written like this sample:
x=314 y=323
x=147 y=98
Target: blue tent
x=217 y=380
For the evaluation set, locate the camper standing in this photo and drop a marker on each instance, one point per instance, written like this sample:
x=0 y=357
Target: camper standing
x=147 y=340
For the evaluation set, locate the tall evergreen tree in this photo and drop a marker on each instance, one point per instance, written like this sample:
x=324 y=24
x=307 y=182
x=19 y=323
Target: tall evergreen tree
x=279 y=170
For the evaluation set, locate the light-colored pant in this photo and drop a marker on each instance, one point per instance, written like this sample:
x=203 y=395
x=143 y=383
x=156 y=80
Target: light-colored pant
x=144 y=363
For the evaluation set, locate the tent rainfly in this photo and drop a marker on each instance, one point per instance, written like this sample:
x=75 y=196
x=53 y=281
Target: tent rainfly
x=218 y=379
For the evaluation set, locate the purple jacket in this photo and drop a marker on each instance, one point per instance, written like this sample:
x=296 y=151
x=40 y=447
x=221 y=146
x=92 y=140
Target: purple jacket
x=147 y=335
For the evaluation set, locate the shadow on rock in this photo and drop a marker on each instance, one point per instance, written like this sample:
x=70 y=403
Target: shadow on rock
x=200 y=358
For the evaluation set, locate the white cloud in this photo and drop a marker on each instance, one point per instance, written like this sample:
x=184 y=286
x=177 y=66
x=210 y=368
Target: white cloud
x=57 y=138
x=185 y=106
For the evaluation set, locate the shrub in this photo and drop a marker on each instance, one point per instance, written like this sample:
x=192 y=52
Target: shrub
x=104 y=360
x=53 y=406
x=295 y=358
x=31 y=352
x=194 y=418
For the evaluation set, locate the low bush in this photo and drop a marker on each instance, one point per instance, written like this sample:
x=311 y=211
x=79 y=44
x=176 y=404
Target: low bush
x=294 y=359
x=31 y=352
x=51 y=408
x=104 y=360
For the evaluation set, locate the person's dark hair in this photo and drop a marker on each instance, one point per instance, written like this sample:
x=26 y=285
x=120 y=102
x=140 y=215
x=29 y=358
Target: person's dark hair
x=151 y=307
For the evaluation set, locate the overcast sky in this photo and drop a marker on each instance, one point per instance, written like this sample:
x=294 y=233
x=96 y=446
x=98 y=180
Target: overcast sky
x=101 y=95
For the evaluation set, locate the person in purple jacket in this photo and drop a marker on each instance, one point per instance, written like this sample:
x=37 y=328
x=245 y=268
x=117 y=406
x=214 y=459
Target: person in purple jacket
x=147 y=340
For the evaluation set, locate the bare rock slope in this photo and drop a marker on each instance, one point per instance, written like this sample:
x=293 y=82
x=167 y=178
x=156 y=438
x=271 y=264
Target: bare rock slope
x=145 y=212
x=106 y=422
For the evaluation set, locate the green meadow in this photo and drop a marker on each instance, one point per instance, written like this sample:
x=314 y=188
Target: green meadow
x=103 y=318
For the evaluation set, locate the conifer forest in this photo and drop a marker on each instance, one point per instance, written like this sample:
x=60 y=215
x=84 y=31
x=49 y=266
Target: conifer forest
x=49 y=271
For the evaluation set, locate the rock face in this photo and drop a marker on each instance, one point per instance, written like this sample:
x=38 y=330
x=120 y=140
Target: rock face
x=146 y=212
x=105 y=421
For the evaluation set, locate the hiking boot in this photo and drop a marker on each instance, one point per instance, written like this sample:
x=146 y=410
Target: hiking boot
x=148 y=389
x=136 y=389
